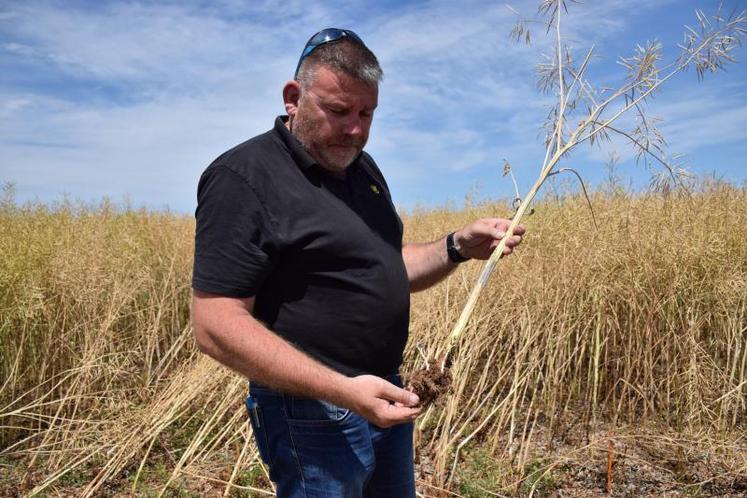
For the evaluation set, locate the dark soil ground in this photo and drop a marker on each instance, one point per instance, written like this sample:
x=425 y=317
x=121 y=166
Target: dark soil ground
x=646 y=461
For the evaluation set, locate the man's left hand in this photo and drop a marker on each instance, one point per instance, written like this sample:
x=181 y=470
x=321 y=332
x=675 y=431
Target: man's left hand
x=479 y=239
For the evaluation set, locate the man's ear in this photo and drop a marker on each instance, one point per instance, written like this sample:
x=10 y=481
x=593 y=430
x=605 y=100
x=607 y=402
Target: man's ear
x=291 y=96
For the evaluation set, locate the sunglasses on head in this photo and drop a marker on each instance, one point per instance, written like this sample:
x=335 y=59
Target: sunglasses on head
x=328 y=35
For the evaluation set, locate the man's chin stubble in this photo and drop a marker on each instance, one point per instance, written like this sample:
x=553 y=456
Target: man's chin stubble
x=332 y=163
x=321 y=158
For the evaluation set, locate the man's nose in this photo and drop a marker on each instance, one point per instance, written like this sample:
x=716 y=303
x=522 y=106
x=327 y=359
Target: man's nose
x=353 y=125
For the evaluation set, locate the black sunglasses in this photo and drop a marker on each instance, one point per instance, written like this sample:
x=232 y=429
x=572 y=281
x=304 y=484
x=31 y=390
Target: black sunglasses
x=328 y=35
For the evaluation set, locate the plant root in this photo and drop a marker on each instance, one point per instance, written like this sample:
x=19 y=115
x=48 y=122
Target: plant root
x=430 y=383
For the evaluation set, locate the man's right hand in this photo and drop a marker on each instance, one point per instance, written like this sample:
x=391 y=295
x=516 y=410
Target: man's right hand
x=381 y=402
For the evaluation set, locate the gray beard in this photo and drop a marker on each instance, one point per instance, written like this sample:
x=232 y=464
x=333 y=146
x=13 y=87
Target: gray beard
x=300 y=130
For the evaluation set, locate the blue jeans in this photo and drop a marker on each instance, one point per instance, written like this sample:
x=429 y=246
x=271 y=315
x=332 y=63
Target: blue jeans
x=316 y=449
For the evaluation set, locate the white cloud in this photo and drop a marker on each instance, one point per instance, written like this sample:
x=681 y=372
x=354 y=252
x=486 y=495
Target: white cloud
x=137 y=98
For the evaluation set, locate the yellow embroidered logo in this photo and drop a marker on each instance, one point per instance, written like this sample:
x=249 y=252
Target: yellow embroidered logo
x=374 y=189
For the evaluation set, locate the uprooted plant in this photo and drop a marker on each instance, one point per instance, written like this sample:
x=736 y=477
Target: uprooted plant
x=708 y=48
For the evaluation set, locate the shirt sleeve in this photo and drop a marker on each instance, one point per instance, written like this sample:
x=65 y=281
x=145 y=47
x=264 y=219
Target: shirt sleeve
x=233 y=236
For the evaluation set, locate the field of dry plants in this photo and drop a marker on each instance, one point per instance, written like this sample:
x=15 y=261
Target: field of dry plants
x=608 y=356
x=614 y=353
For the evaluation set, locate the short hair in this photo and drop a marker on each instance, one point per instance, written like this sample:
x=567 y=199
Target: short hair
x=346 y=56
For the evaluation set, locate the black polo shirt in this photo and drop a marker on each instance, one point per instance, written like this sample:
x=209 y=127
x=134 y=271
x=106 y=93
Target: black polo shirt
x=322 y=255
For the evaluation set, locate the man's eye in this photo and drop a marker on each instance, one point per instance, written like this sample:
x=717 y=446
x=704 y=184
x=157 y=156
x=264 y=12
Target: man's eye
x=335 y=110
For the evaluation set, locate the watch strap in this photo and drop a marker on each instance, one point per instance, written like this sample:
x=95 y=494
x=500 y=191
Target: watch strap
x=452 y=251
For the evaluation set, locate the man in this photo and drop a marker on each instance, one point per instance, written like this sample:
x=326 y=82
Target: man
x=301 y=282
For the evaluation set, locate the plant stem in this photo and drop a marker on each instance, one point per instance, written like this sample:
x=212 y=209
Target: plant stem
x=490 y=265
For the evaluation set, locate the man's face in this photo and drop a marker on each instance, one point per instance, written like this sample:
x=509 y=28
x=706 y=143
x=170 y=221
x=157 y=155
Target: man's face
x=333 y=118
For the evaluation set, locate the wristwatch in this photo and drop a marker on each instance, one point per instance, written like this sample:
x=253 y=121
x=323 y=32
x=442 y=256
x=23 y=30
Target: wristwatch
x=452 y=251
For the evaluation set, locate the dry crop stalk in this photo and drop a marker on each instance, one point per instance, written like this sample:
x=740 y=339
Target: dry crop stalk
x=610 y=462
x=707 y=50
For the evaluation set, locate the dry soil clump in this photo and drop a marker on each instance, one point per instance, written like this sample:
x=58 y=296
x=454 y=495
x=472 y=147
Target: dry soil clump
x=430 y=383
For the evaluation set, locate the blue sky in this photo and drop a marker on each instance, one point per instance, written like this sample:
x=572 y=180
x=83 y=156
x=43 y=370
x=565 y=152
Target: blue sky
x=132 y=100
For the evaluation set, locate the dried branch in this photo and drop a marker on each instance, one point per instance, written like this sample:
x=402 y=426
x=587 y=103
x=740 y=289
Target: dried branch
x=583 y=188
x=708 y=49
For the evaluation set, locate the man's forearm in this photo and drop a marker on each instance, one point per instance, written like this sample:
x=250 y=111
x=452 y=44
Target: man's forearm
x=427 y=264
x=233 y=337
x=226 y=330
